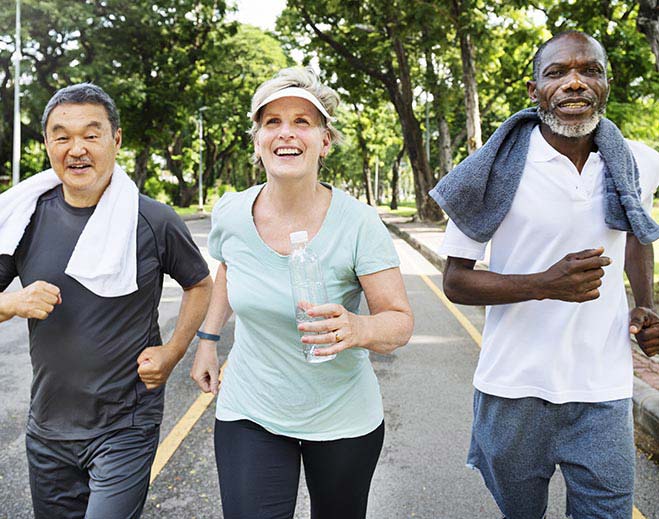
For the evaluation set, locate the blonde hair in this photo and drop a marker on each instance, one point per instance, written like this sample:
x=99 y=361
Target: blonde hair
x=300 y=77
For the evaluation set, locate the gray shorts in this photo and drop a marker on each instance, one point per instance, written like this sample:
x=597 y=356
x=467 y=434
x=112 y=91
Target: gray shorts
x=106 y=477
x=517 y=443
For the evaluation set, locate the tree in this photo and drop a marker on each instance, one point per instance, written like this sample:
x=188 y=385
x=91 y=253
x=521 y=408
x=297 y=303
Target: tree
x=370 y=37
x=461 y=13
x=52 y=33
x=148 y=55
x=647 y=22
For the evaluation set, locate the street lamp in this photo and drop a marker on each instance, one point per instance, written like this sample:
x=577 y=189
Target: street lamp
x=16 y=155
x=200 y=119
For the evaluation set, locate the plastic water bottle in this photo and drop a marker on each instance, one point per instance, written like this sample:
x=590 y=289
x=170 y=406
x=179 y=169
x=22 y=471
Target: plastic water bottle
x=308 y=288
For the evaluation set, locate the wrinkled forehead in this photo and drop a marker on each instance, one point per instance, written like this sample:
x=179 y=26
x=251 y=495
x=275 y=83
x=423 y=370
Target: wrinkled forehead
x=572 y=48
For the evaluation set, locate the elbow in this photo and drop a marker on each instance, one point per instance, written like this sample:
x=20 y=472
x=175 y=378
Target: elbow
x=408 y=328
x=453 y=290
x=405 y=333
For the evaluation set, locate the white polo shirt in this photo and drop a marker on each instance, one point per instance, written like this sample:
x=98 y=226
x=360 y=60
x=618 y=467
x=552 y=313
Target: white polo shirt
x=555 y=350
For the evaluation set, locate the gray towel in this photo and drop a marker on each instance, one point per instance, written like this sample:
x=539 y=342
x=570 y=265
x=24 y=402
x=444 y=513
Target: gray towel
x=478 y=192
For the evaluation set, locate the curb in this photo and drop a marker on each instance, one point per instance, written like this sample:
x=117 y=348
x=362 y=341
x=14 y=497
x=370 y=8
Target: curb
x=646 y=413
x=431 y=256
x=438 y=261
x=195 y=216
x=645 y=398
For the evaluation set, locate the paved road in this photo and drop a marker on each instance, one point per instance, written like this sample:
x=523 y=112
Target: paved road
x=426 y=388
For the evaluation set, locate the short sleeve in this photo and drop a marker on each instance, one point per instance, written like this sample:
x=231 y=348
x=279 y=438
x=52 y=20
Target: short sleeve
x=7 y=271
x=218 y=219
x=458 y=245
x=375 y=249
x=181 y=258
x=647 y=161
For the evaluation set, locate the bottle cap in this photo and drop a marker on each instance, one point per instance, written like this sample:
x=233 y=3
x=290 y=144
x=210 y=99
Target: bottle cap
x=299 y=237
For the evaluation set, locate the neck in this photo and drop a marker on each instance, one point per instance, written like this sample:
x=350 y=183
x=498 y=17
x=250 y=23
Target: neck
x=87 y=198
x=576 y=149
x=295 y=196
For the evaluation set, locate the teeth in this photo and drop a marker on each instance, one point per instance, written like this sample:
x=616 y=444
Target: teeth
x=288 y=151
x=574 y=105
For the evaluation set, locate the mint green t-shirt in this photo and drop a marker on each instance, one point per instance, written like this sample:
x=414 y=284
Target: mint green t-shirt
x=267 y=379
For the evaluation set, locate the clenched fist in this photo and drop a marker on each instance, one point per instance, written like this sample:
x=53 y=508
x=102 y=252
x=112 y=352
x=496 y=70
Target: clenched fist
x=644 y=324
x=577 y=277
x=35 y=301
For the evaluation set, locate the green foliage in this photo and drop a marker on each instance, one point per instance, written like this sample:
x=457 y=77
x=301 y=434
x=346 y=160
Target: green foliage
x=224 y=188
x=163 y=62
x=159 y=189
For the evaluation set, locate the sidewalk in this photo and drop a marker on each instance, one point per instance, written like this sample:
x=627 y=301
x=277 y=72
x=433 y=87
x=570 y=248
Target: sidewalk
x=426 y=238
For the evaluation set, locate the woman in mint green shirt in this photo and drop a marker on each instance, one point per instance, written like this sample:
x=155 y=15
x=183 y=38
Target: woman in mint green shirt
x=274 y=408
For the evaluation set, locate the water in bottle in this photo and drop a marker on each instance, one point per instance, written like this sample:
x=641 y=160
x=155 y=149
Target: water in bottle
x=308 y=288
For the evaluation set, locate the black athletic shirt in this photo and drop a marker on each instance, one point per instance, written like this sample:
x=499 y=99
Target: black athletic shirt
x=84 y=355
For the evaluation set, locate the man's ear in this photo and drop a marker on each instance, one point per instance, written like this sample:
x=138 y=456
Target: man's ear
x=531 y=90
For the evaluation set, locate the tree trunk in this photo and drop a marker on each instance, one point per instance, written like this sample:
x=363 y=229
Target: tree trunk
x=254 y=175
x=427 y=209
x=647 y=23
x=187 y=195
x=437 y=87
x=377 y=183
x=366 y=179
x=445 y=155
x=402 y=100
x=474 y=138
x=366 y=167
x=182 y=197
x=141 y=163
x=395 y=175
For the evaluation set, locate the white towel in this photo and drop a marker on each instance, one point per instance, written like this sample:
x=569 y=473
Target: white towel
x=105 y=258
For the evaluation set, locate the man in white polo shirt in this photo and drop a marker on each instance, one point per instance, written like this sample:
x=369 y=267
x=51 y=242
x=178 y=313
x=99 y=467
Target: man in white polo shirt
x=553 y=384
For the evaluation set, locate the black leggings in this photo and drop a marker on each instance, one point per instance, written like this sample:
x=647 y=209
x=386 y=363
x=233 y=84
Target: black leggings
x=260 y=472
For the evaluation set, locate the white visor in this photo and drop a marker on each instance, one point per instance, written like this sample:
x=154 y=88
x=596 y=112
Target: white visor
x=292 y=92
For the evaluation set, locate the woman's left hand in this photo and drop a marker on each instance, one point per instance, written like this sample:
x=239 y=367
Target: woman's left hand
x=339 y=329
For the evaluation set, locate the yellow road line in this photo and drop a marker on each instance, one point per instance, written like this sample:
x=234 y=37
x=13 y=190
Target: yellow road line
x=466 y=324
x=183 y=427
x=478 y=339
x=637 y=515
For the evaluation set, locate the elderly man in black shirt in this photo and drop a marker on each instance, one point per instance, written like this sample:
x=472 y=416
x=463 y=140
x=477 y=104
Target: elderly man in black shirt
x=91 y=257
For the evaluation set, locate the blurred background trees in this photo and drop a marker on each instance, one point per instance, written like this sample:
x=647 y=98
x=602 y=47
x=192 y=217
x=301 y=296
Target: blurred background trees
x=423 y=82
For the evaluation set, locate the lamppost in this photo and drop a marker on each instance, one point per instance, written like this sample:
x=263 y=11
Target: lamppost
x=16 y=155
x=200 y=119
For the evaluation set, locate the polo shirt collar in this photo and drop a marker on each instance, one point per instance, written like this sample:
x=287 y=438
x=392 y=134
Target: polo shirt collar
x=539 y=149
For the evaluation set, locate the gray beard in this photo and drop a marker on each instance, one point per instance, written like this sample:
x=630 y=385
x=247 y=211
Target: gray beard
x=571 y=131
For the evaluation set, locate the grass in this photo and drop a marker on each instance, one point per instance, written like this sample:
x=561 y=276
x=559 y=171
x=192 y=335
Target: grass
x=404 y=209
x=193 y=209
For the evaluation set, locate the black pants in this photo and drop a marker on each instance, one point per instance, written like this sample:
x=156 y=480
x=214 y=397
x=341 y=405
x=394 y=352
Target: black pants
x=105 y=477
x=260 y=472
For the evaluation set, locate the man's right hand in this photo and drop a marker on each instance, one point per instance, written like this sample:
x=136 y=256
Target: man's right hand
x=35 y=301
x=575 y=278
